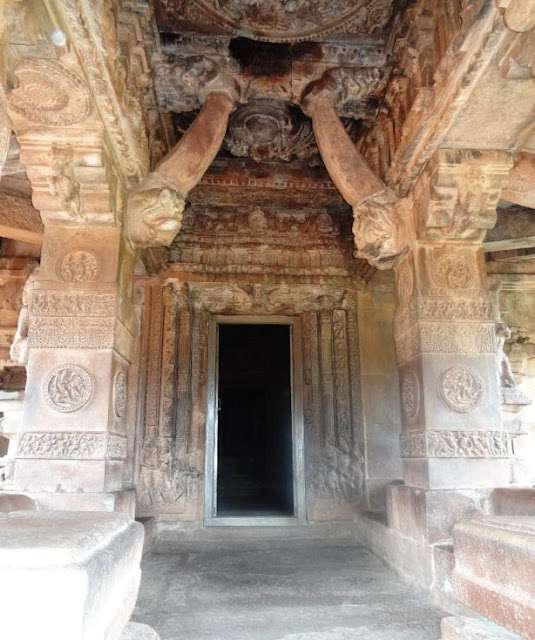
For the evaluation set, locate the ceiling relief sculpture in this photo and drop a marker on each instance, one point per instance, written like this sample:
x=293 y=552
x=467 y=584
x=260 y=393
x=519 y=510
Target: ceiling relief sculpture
x=264 y=130
x=274 y=20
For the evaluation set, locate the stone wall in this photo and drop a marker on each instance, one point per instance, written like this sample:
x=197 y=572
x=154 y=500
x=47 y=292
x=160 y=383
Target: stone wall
x=255 y=262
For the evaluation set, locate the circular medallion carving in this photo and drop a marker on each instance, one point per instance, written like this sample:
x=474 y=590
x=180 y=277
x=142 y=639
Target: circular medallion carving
x=453 y=272
x=68 y=388
x=49 y=93
x=461 y=389
x=79 y=266
x=294 y=20
x=410 y=394
x=120 y=394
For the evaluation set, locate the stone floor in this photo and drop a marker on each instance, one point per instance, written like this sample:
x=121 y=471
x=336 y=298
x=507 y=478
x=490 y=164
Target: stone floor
x=279 y=589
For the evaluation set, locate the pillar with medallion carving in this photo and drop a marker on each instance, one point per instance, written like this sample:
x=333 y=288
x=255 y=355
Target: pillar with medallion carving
x=80 y=125
x=82 y=325
x=444 y=329
x=452 y=437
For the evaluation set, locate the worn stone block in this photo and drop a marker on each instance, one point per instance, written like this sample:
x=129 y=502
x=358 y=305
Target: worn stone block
x=117 y=501
x=16 y=502
x=429 y=515
x=68 y=575
x=138 y=631
x=495 y=570
x=462 y=628
x=513 y=502
x=456 y=473
x=67 y=475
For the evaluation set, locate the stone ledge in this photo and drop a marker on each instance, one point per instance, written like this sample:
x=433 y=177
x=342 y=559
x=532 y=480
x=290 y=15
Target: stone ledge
x=495 y=570
x=462 y=628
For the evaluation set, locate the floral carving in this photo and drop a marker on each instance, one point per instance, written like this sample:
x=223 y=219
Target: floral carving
x=453 y=272
x=49 y=93
x=68 y=388
x=79 y=266
x=120 y=394
x=461 y=389
x=410 y=394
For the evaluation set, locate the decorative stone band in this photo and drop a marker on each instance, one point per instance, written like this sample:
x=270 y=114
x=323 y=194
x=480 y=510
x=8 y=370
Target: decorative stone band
x=452 y=337
x=73 y=304
x=69 y=445
x=455 y=444
x=71 y=333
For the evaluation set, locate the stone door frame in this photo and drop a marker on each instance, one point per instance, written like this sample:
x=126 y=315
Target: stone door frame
x=296 y=369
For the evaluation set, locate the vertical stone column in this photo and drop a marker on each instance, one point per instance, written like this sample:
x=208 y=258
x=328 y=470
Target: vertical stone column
x=445 y=331
x=72 y=444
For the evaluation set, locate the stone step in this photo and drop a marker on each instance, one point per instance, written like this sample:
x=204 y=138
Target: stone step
x=495 y=570
x=462 y=628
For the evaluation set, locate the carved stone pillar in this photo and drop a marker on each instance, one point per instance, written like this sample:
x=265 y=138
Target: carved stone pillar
x=445 y=330
x=81 y=324
x=444 y=327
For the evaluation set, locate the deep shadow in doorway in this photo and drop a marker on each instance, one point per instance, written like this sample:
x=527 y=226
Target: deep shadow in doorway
x=254 y=442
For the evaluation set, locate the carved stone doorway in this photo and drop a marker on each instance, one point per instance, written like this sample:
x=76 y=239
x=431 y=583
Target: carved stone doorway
x=254 y=452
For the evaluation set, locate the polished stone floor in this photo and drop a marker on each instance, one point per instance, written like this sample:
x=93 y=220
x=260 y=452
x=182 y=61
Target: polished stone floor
x=278 y=588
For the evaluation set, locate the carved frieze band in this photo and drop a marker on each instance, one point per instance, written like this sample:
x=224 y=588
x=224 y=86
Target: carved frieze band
x=455 y=444
x=69 y=445
x=452 y=309
x=437 y=337
x=71 y=333
x=60 y=303
x=214 y=298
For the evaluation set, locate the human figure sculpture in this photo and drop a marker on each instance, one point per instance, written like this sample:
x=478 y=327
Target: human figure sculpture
x=19 y=347
x=505 y=371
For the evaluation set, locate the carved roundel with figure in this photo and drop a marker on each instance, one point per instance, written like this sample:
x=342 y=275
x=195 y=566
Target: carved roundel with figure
x=461 y=389
x=80 y=265
x=453 y=272
x=410 y=394
x=68 y=388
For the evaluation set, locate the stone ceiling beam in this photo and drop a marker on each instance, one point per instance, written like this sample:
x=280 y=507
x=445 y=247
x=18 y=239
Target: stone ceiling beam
x=19 y=220
x=515 y=229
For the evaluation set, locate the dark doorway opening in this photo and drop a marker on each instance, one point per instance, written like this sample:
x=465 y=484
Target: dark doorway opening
x=254 y=435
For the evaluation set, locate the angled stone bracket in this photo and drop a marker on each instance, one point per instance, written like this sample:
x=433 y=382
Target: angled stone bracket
x=155 y=207
x=380 y=229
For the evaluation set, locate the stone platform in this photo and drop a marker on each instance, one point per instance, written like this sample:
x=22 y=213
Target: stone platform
x=68 y=575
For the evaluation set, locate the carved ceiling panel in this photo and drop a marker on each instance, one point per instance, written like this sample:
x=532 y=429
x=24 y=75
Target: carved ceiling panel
x=274 y=20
